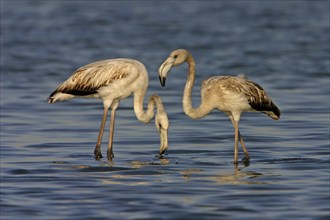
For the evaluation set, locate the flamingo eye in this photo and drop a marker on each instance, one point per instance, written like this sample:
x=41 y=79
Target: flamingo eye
x=175 y=56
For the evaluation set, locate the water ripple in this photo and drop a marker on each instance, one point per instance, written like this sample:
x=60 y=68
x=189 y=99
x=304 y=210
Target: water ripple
x=48 y=169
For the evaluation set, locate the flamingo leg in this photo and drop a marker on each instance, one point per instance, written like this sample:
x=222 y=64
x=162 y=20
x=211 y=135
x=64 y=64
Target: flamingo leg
x=236 y=143
x=111 y=134
x=97 y=150
x=246 y=153
x=240 y=138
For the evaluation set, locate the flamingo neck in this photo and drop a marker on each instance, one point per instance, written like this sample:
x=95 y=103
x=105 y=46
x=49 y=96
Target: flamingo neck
x=188 y=109
x=143 y=116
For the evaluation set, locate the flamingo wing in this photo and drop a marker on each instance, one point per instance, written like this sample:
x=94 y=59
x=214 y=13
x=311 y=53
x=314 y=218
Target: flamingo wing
x=88 y=79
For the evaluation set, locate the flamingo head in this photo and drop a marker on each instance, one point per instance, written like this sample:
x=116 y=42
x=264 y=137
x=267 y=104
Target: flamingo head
x=161 y=122
x=162 y=125
x=176 y=58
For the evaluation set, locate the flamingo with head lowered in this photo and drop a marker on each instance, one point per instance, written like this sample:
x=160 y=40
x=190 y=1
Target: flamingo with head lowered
x=232 y=95
x=111 y=81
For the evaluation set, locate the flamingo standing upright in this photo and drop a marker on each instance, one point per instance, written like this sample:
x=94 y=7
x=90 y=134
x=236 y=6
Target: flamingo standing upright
x=112 y=80
x=229 y=94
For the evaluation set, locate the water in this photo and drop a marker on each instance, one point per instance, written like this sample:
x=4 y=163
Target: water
x=47 y=165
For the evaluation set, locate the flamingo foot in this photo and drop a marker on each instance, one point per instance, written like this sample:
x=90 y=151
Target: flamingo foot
x=246 y=161
x=97 y=153
x=110 y=154
x=161 y=154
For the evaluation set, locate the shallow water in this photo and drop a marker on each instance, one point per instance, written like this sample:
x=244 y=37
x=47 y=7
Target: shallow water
x=47 y=166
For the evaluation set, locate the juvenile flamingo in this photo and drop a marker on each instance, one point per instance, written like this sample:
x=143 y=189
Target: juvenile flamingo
x=229 y=94
x=112 y=80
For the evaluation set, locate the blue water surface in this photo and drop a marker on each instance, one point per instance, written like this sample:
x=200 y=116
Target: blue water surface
x=48 y=170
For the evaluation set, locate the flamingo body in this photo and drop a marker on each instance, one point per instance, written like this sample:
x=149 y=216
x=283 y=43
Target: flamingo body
x=112 y=80
x=232 y=95
x=235 y=94
x=107 y=79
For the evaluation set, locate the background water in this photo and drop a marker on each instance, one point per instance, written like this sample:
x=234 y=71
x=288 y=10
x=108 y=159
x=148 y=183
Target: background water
x=47 y=166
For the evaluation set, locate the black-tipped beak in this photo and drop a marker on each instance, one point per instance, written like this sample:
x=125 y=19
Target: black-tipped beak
x=162 y=81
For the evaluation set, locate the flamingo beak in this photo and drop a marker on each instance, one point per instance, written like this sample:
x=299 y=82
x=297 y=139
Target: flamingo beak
x=163 y=141
x=164 y=69
x=162 y=124
x=162 y=80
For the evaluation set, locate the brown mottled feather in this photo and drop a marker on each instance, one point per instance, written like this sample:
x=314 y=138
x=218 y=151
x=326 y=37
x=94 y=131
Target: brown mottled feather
x=260 y=101
x=88 y=79
x=255 y=94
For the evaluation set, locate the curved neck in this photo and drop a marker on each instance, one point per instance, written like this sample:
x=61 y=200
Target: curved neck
x=146 y=116
x=188 y=109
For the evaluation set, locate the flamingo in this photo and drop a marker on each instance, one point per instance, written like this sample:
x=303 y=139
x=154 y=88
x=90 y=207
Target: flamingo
x=232 y=95
x=111 y=81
